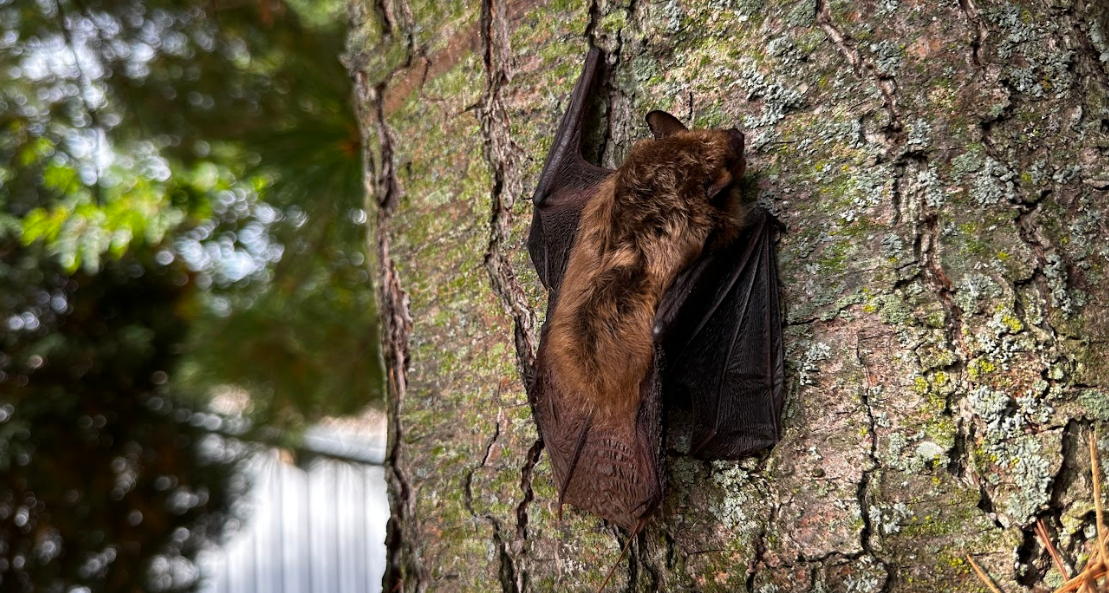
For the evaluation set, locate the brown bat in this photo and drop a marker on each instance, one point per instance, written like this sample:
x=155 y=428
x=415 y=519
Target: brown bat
x=661 y=285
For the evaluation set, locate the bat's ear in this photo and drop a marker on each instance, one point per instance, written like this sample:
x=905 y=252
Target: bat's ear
x=736 y=143
x=663 y=124
x=736 y=164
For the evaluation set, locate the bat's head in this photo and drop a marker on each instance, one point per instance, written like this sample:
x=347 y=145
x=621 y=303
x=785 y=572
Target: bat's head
x=716 y=155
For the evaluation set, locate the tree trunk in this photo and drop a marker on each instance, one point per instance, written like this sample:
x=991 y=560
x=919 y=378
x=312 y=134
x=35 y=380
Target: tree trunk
x=941 y=169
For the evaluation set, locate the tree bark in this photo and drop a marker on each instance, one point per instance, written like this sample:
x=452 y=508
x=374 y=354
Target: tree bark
x=941 y=169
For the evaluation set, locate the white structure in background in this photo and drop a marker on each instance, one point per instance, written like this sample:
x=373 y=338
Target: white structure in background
x=315 y=527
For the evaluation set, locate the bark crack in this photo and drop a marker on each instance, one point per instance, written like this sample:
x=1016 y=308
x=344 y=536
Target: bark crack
x=979 y=30
x=403 y=570
x=506 y=573
x=760 y=545
x=1027 y=553
x=936 y=277
x=594 y=18
x=499 y=151
x=885 y=83
x=528 y=494
x=1086 y=42
x=396 y=327
x=863 y=489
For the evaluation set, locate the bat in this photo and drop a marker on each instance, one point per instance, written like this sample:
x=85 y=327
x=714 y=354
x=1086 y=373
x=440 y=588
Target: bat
x=662 y=290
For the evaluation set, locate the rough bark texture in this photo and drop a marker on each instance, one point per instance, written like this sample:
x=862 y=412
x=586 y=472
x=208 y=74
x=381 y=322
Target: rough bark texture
x=942 y=169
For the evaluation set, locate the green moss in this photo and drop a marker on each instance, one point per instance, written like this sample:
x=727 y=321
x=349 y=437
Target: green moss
x=613 y=22
x=834 y=258
x=936 y=319
x=1012 y=322
x=942 y=383
x=894 y=310
x=942 y=431
x=979 y=367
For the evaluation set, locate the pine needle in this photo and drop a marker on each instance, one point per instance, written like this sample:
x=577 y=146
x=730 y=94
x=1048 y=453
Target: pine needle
x=982 y=575
x=1102 y=536
x=1041 y=532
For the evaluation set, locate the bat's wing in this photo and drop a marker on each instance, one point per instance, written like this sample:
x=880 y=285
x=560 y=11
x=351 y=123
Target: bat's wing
x=565 y=185
x=613 y=470
x=722 y=338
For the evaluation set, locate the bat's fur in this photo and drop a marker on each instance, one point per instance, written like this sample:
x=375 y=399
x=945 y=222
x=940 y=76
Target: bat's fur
x=646 y=223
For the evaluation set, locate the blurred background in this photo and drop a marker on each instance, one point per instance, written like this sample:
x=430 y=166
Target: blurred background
x=190 y=381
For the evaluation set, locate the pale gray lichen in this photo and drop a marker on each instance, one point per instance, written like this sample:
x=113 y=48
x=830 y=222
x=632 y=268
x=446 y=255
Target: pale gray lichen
x=972 y=289
x=1037 y=173
x=802 y=14
x=784 y=49
x=1025 y=80
x=893 y=310
x=994 y=184
x=930 y=453
x=896 y=443
x=749 y=7
x=1056 y=273
x=893 y=244
x=926 y=454
x=934 y=193
x=888 y=519
x=1084 y=230
x=731 y=478
x=967 y=162
x=1033 y=476
x=1044 y=67
x=1056 y=68
x=674 y=15
x=1015 y=452
x=1002 y=337
x=920 y=132
x=1099 y=41
x=995 y=409
x=882 y=419
x=1096 y=403
x=887 y=56
x=1033 y=408
x=777 y=99
x=1016 y=32
x=1067 y=174
x=867 y=576
x=808 y=367
x=866 y=190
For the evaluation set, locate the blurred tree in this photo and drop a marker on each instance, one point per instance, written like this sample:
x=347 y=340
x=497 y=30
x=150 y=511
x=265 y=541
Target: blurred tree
x=104 y=470
x=180 y=209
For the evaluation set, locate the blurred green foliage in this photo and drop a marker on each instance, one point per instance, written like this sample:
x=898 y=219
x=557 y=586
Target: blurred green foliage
x=180 y=212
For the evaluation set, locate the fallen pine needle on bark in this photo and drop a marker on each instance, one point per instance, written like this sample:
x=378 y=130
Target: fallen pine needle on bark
x=1097 y=567
x=1041 y=532
x=982 y=575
